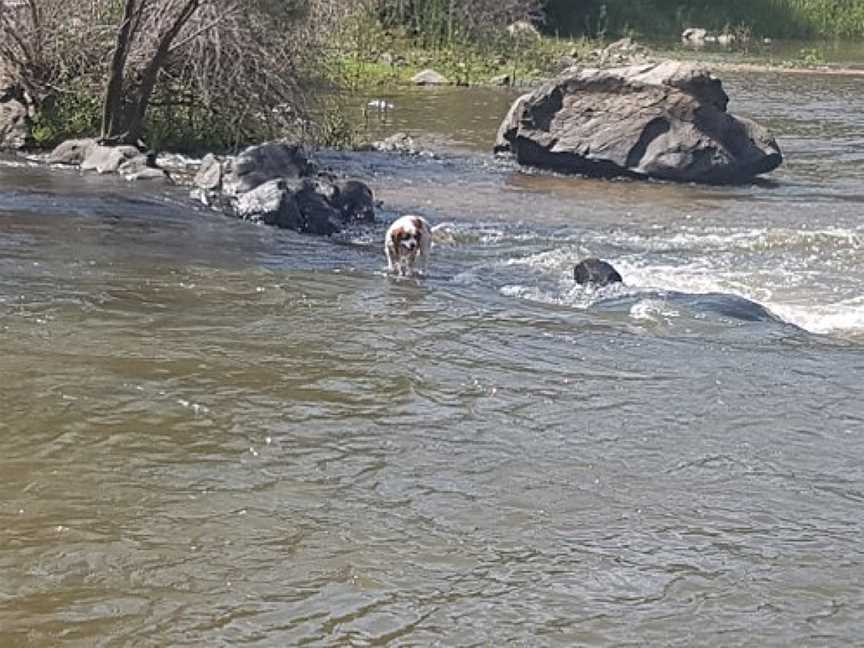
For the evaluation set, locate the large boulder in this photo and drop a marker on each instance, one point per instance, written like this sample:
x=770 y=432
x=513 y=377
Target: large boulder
x=259 y=164
x=14 y=124
x=663 y=120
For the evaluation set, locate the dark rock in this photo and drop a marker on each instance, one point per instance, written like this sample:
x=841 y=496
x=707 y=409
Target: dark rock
x=316 y=198
x=71 y=151
x=271 y=203
x=355 y=202
x=259 y=164
x=595 y=272
x=500 y=80
x=108 y=159
x=14 y=124
x=664 y=120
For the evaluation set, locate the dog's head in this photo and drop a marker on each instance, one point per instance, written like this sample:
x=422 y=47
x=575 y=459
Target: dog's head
x=407 y=237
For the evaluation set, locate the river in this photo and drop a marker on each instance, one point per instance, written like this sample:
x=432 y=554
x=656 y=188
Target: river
x=220 y=434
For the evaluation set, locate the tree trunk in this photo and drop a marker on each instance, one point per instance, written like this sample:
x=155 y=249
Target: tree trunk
x=112 y=110
x=138 y=110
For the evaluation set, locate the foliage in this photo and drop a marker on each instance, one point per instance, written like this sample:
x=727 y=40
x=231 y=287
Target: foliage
x=372 y=54
x=236 y=71
x=434 y=23
x=775 y=18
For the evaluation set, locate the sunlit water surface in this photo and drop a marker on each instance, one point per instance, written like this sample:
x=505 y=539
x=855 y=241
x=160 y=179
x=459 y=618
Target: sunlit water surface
x=221 y=434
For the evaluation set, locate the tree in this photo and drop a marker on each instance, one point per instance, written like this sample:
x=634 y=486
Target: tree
x=219 y=72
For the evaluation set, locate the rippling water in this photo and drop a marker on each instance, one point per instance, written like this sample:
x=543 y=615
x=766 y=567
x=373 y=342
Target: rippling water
x=221 y=434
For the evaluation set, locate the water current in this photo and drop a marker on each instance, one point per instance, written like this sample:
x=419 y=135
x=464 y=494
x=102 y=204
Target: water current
x=221 y=434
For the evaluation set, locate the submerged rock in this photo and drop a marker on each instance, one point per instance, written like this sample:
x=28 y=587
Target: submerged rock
x=429 y=77
x=665 y=120
x=595 y=272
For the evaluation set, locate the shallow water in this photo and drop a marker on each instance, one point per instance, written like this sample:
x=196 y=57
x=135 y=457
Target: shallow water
x=220 y=434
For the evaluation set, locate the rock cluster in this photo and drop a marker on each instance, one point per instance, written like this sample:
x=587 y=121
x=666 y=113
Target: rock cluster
x=90 y=155
x=277 y=184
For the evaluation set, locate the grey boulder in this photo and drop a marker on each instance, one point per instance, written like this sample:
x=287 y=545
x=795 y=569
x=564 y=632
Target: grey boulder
x=665 y=120
x=259 y=164
x=108 y=159
x=271 y=203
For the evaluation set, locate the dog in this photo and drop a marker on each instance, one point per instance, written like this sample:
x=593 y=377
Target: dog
x=407 y=245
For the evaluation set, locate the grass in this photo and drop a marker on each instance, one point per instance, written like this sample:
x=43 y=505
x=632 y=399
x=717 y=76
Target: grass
x=371 y=56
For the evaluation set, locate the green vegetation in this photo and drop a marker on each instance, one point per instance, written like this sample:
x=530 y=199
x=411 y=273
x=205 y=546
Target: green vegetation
x=665 y=18
x=226 y=73
x=374 y=55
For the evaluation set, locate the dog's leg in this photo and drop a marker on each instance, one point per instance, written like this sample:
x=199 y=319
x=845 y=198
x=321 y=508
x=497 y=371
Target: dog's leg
x=391 y=265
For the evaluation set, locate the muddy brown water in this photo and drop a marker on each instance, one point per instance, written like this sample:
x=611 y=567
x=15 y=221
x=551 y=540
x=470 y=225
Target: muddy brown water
x=218 y=434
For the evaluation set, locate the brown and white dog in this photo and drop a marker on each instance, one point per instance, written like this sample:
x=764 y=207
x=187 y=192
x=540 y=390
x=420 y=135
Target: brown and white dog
x=407 y=245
